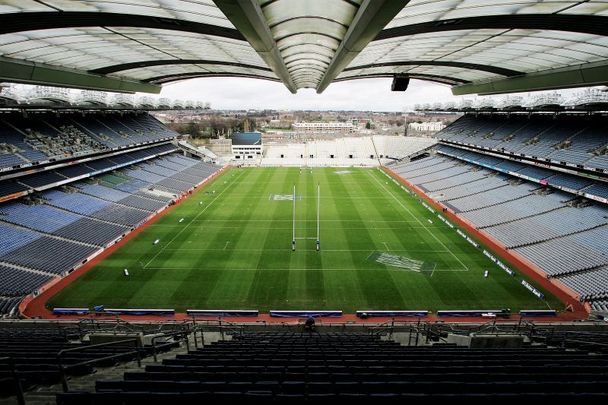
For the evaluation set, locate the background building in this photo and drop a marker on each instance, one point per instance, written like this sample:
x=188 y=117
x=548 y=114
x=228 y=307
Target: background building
x=247 y=145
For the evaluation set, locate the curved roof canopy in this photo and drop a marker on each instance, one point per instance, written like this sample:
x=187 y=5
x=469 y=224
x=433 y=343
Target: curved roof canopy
x=477 y=46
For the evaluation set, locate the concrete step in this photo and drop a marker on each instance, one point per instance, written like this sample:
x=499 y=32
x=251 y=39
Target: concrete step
x=43 y=395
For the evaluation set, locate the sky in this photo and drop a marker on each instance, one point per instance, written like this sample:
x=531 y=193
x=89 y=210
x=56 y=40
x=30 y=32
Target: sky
x=362 y=95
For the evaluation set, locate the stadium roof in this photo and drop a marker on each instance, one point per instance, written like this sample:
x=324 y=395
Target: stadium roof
x=477 y=46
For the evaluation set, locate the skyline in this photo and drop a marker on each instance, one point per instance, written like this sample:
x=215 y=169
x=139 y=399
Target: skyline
x=359 y=95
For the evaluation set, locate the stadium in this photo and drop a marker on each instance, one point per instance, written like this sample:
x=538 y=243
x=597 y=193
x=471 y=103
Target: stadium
x=330 y=264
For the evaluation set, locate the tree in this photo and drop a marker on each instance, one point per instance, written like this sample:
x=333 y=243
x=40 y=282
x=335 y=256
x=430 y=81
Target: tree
x=368 y=125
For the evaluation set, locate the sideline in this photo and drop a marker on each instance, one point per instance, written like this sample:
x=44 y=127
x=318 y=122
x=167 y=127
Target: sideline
x=35 y=307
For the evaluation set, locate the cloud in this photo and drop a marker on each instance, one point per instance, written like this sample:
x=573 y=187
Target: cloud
x=364 y=94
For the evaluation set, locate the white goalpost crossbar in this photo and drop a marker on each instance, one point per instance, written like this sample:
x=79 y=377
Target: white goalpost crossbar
x=317 y=239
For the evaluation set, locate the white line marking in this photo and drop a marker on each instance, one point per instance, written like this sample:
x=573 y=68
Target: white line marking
x=398 y=270
x=310 y=220
x=162 y=249
x=416 y=218
x=434 y=268
x=289 y=250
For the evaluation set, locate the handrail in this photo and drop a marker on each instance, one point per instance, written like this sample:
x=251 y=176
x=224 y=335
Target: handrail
x=13 y=373
x=62 y=369
x=184 y=336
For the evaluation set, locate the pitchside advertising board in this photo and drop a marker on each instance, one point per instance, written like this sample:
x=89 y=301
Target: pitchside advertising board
x=498 y=262
x=532 y=289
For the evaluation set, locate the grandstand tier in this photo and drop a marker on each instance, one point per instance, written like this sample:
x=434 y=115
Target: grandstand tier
x=561 y=139
x=295 y=367
x=66 y=215
x=345 y=151
x=44 y=137
x=556 y=219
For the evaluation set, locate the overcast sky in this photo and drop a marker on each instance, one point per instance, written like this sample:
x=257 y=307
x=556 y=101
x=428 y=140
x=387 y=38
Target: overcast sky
x=364 y=94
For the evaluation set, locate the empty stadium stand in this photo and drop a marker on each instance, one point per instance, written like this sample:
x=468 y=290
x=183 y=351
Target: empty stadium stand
x=53 y=220
x=561 y=139
x=45 y=137
x=347 y=151
x=557 y=220
x=55 y=231
x=295 y=367
x=48 y=355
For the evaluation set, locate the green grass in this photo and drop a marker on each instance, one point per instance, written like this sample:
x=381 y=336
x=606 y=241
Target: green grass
x=234 y=251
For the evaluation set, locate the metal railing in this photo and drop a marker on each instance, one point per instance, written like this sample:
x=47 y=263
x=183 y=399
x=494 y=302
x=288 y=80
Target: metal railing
x=14 y=375
x=64 y=368
x=182 y=336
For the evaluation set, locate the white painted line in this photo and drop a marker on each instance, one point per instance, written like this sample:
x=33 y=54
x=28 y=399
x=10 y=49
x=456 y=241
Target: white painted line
x=415 y=217
x=190 y=223
x=398 y=270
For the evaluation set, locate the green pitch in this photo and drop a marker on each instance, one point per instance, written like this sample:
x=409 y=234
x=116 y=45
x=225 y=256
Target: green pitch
x=228 y=246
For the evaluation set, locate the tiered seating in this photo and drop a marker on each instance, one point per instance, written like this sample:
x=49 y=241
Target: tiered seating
x=462 y=178
x=39 y=217
x=573 y=182
x=48 y=254
x=142 y=203
x=13 y=238
x=100 y=191
x=121 y=215
x=16 y=282
x=75 y=171
x=66 y=227
x=289 y=367
x=592 y=285
x=345 y=151
x=550 y=225
x=18 y=152
x=43 y=137
x=567 y=140
x=92 y=231
x=598 y=189
x=34 y=351
x=9 y=160
x=580 y=251
x=512 y=210
x=75 y=202
x=398 y=147
x=441 y=173
x=467 y=188
x=41 y=179
x=144 y=175
x=58 y=229
x=543 y=176
x=600 y=305
x=542 y=225
x=491 y=197
x=8 y=306
x=9 y=187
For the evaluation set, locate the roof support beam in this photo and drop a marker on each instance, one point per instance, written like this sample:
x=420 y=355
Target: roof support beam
x=463 y=65
x=184 y=76
x=248 y=18
x=172 y=62
x=18 y=22
x=18 y=71
x=372 y=16
x=419 y=76
x=590 y=74
x=587 y=24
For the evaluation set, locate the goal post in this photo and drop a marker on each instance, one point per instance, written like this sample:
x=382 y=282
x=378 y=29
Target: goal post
x=318 y=217
x=316 y=238
x=293 y=238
